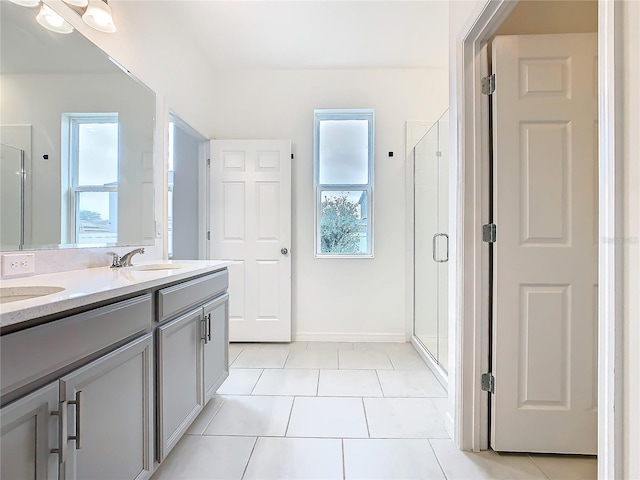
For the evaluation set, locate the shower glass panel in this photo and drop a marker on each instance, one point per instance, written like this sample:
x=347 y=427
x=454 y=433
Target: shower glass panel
x=12 y=206
x=431 y=242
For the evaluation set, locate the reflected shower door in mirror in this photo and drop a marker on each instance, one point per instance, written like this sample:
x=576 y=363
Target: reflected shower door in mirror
x=86 y=127
x=12 y=188
x=431 y=242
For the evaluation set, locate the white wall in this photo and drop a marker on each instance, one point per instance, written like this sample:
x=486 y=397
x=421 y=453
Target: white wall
x=334 y=299
x=337 y=299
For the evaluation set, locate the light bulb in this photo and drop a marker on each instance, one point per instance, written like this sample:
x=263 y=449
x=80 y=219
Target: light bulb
x=98 y=15
x=101 y=19
x=52 y=21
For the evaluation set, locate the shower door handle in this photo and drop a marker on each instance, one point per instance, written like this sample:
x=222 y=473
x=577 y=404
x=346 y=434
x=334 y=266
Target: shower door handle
x=435 y=240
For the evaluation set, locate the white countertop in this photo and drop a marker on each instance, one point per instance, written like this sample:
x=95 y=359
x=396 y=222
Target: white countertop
x=91 y=285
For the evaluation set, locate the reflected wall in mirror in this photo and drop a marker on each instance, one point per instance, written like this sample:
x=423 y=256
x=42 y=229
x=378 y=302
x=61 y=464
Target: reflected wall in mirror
x=77 y=141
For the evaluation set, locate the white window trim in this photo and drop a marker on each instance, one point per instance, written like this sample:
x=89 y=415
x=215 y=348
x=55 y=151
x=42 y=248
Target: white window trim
x=343 y=114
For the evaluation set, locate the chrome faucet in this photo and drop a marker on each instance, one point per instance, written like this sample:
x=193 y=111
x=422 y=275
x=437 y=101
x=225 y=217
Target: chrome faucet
x=125 y=260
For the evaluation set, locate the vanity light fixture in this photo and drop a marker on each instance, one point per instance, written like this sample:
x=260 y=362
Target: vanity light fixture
x=77 y=3
x=95 y=13
x=52 y=21
x=98 y=15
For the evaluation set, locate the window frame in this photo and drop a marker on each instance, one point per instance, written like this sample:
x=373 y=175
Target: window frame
x=343 y=114
x=73 y=122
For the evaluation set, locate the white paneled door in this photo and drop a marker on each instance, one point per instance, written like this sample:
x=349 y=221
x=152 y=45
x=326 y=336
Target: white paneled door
x=250 y=205
x=545 y=264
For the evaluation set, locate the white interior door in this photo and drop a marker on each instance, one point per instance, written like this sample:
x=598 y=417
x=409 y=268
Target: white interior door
x=250 y=205
x=545 y=174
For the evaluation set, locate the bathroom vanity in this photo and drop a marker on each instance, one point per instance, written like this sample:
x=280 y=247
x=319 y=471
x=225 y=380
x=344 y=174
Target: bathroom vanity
x=102 y=379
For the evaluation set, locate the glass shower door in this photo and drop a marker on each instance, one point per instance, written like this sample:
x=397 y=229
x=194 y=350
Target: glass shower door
x=12 y=206
x=431 y=241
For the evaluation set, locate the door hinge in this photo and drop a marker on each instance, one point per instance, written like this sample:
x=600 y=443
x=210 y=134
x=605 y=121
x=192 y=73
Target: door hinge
x=489 y=84
x=438 y=154
x=488 y=383
x=209 y=235
x=489 y=233
x=208 y=162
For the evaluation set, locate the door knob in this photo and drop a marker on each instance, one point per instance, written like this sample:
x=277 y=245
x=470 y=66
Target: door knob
x=284 y=251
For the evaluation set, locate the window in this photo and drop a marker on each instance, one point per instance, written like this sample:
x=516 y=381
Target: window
x=93 y=177
x=343 y=181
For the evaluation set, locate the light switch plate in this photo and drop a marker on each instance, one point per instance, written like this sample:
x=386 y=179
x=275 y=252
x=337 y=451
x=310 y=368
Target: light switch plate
x=18 y=264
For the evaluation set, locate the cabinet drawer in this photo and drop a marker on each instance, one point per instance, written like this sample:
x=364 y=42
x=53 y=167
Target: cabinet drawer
x=30 y=355
x=180 y=297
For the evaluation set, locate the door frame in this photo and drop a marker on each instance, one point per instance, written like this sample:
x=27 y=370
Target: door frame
x=203 y=184
x=468 y=285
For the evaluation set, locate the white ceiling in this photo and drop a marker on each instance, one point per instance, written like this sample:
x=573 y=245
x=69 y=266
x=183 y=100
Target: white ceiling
x=313 y=34
x=237 y=34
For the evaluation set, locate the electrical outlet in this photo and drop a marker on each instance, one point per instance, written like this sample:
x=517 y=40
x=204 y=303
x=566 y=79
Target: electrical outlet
x=18 y=264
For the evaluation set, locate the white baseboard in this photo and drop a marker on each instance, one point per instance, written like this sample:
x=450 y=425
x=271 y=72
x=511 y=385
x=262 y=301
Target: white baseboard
x=350 y=337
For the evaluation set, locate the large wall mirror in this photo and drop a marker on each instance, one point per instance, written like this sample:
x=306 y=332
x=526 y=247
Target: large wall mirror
x=76 y=160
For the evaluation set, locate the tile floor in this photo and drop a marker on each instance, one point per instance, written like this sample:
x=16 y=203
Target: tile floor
x=321 y=410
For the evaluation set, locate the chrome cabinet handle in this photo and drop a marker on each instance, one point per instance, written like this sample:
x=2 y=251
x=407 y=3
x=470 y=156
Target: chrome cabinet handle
x=433 y=247
x=284 y=251
x=204 y=329
x=435 y=237
x=62 y=432
x=209 y=327
x=76 y=437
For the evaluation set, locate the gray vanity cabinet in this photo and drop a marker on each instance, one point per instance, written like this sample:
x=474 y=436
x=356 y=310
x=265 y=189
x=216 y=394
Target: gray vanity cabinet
x=107 y=392
x=109 y=415
x=27 y=436
x=193 y=358
x=216 y=342
x=180 y=396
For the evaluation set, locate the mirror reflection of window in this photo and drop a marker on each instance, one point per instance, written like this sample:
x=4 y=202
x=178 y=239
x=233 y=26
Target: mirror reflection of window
x=170 y=191
x=93 y=177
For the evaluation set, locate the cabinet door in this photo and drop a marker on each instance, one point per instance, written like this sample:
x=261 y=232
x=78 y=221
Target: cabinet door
x=27 y=435
x=216 y=345
x=109 y=404
x=179 y=377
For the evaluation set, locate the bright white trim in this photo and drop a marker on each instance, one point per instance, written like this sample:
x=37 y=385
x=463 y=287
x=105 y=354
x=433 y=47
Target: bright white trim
x=468 y=345
x=611 y=248
x=349 y=337
x=465 y=297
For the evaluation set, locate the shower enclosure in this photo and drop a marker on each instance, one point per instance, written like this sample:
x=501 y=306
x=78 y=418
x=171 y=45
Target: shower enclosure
x=431 y=242
x=12 y=180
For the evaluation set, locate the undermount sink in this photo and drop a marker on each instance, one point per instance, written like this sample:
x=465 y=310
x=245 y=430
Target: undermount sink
x=15 y=294
x=158 y=266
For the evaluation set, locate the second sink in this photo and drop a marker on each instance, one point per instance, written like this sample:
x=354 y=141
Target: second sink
x=15 y=294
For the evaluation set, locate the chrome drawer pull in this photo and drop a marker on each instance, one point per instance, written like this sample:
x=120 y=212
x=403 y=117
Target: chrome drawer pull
x=62 y=433
x=76 y=437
